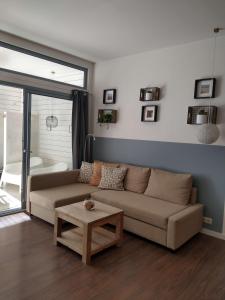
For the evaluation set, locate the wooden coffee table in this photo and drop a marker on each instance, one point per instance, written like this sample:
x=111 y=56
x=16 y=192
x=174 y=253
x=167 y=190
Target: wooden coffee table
x=89 y=237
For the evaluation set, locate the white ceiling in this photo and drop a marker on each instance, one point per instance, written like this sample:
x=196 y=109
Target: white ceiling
x=105 y=29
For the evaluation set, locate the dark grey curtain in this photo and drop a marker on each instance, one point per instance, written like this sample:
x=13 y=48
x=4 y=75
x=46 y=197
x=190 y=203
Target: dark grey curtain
x=79 y=126
x=88 y=150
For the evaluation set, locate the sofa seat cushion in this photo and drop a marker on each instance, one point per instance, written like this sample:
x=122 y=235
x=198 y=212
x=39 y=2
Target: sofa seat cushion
x=61 y=195
x=146 y=209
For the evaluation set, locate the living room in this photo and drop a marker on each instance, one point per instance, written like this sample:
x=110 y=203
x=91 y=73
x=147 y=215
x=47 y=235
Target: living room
x=113 y=149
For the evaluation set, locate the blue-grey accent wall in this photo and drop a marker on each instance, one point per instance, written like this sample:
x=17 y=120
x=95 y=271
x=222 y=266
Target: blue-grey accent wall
x=205 y=162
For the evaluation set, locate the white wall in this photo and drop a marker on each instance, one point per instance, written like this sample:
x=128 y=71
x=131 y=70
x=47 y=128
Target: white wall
x=53 y=146
x=10 y=101
x=13 y=137
x=174 y=70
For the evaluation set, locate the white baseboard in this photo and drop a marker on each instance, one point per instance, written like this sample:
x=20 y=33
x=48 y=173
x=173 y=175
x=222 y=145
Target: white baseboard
x=215 y=234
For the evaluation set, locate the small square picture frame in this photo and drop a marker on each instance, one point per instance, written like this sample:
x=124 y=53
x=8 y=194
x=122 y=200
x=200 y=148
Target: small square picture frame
x=149 y=113
x=109 y=96
x=205 y=88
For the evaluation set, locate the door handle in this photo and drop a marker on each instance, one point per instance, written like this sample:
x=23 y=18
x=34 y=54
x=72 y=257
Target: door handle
x=25 y=151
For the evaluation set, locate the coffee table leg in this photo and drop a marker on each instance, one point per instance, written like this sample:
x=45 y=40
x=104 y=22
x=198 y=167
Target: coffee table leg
x=119 y=228
x=57 y=228
x=86 y=257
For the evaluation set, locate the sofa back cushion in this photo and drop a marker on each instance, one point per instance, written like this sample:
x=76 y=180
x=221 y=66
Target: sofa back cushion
x=112 y=178
x=136 y=179
x=170 y=186
x=97 y=171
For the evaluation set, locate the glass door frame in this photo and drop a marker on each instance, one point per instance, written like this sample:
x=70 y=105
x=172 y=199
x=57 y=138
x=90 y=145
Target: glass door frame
x=27 y=107
x=28 y=91
x=15 y=210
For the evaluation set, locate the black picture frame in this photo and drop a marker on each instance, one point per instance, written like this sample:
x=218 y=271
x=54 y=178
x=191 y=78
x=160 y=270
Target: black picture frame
x=154 y=109
x=109 y=96
x=211 y=93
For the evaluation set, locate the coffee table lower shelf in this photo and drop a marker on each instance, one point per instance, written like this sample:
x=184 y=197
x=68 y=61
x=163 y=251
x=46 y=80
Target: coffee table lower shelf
x=100 y=240
x=89 y=236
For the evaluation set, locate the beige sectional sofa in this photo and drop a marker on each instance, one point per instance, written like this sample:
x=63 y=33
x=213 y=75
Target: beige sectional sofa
x=168 y=223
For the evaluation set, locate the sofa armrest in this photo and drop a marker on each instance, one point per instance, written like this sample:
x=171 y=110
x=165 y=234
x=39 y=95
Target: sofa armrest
x=184 y=225
x=44 y=181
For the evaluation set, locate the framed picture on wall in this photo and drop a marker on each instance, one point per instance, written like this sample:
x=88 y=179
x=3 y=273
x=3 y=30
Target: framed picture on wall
x=149 y=113
x=109 y=96
x=205 y=88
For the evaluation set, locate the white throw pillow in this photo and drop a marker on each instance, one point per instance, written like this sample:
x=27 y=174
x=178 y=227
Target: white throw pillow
x=86 y=171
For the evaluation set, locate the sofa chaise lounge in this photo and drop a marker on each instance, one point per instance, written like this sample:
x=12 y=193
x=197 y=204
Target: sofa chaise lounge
x=164 y=222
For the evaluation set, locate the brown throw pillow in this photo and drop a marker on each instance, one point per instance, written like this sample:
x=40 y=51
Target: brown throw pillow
x=112 y=178
x=97 y=167
x=169 y=186
x=136 y=179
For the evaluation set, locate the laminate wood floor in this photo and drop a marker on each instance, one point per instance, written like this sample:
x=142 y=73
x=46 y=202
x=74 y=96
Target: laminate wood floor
x=31 y=267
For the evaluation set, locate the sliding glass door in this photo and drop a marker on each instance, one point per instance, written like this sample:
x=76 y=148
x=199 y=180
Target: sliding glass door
x=35 y=138
x=35 y=119
x=49 y=146
x=11 y=145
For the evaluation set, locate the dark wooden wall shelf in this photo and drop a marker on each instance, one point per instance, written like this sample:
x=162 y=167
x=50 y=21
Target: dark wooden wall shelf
x=150 y=94
x=107 y=116
x=210 y=111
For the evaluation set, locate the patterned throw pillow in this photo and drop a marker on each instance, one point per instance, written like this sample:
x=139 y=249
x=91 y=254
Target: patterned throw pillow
x=86 y=171
x=112 y=178
x=97 y=171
